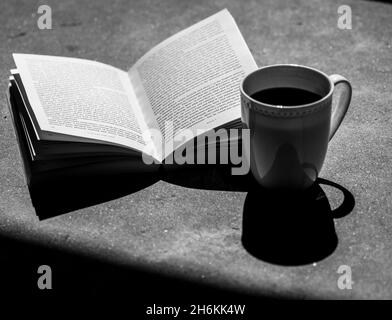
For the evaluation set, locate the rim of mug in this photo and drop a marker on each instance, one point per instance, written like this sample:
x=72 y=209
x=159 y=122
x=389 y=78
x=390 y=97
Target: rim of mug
x=331 y=86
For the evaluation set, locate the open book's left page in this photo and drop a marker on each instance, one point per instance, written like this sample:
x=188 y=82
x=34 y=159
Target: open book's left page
x=81 y=99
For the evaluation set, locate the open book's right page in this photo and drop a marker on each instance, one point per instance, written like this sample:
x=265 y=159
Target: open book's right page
x=191 y=80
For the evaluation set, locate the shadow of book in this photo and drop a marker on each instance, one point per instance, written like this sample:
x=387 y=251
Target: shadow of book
x=56 y=193
x=75 y=188
x=209 y=177
x=292 y=229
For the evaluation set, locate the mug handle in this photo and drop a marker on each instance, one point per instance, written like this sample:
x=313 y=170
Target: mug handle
x=342 y=105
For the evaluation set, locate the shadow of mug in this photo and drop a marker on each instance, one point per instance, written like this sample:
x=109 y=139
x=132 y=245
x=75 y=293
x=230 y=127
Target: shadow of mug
x=292 y=229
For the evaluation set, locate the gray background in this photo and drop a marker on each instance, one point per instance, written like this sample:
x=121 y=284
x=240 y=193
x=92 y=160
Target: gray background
x=196 y=232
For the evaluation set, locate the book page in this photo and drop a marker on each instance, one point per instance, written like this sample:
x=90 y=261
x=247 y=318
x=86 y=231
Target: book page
x=81 y=98
x=192 y=79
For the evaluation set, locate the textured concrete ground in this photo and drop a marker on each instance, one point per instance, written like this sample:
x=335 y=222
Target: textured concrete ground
x=193 y=228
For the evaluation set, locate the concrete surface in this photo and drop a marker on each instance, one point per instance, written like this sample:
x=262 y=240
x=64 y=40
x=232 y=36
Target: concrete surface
x=193 y=229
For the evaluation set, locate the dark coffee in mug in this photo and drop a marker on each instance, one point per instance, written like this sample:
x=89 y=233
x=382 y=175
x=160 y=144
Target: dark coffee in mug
x=286 y=96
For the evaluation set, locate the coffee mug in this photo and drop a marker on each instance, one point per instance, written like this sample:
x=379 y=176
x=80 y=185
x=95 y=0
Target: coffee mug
x=288 y=142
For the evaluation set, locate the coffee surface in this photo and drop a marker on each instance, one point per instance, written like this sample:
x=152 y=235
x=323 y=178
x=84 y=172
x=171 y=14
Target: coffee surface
x=286 y=96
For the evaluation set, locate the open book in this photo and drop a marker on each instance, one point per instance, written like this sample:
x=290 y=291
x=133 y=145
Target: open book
x=72 y=112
